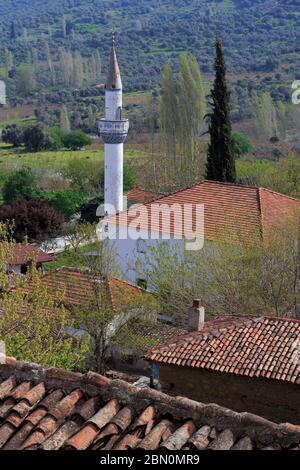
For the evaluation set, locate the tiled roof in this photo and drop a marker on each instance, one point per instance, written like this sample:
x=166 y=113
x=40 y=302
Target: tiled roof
x=244 y=212
x=75 y=287
x=51 y=409
x=139 y=195
x=249 y=346
x=20 y=254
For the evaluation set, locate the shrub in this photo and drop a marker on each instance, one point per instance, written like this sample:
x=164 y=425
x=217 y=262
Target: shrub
x=36 y=138
x=67 y=202
x=56 y=137
x=241 y=144
x=21 y=184
x=128 y=178
x=13 y=134
x=76 y=140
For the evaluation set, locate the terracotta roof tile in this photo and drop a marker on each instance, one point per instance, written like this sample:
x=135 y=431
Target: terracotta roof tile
x=64 y=410
x=20 y=254
x=244 y=212
x=250 y=346
x=74 y=286
x=140 y=196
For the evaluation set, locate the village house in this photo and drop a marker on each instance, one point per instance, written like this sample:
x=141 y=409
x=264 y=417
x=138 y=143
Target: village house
x=244 y=363
x=234 y=212
x=21 y=256
x=53 y=409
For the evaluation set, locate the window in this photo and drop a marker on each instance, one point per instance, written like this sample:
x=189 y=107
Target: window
x=141 y=246
x=142 y=283
x=24 y=269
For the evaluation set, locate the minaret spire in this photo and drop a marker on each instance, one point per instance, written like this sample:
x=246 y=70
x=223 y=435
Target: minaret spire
x=113 y=81
x=113 y=130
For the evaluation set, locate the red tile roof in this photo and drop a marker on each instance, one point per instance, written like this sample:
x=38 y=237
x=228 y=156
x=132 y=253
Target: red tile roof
x=242 y=211
x=51 y=409
x=20 y=254
x=141 y=196
x=249 y=346
x=75 y=286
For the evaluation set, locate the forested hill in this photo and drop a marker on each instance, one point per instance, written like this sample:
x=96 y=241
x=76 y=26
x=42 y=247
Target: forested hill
x=258 y=35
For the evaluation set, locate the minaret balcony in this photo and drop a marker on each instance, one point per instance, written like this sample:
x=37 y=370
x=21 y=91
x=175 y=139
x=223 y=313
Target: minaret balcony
x=113 y=132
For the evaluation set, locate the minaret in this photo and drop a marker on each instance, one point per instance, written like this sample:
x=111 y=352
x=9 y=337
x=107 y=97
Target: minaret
x=113 y=130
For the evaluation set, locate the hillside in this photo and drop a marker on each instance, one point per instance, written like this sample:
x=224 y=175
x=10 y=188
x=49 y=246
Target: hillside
x=258 y=35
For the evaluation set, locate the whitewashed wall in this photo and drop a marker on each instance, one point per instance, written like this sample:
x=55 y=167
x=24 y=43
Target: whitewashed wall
x=127 y=255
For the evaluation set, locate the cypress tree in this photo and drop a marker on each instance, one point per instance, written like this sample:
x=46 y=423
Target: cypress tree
x=220 y=160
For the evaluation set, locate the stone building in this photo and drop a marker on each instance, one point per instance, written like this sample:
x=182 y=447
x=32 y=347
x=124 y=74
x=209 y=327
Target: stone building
x=244 y=363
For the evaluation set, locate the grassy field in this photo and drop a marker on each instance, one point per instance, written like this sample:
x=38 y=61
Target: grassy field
x=11 y=158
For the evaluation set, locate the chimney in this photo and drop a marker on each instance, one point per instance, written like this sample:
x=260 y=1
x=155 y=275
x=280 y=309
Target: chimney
x=196 y=316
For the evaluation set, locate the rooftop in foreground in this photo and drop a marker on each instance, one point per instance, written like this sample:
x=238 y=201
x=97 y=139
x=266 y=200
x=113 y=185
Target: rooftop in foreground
x=51 y=409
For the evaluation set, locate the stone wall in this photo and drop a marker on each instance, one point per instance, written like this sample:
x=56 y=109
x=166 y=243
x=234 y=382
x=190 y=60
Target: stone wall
x=274 y=400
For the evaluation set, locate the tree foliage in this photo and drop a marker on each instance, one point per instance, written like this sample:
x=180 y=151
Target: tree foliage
x=239 y=277
x=20 y=184
x=241 y=144
x=181 y=112
x=34 y=219
x=36 y=138
x=76 y=140
x=32 y=326
x=109 y=326
x=66 y=202
x=13 y=134
x=220 y=157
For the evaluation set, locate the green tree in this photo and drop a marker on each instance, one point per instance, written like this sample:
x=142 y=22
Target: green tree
x=36 y=138
x=20 y=184
x=191 y=106
x=232 y=277
x=56 y=137
x=67 y=202
x=32 y=326
x=98 y=63
x=13 y=134
x=66 y=66
x=168 y=114
x=129 y=179
x=264 y=116
x=78 y=75
x=65 y=125
x=241 y=144
x=25 y=80
x=76 y=140
x=50 y=64
x=84 y=174
x=285 y=176
x=220 y=158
